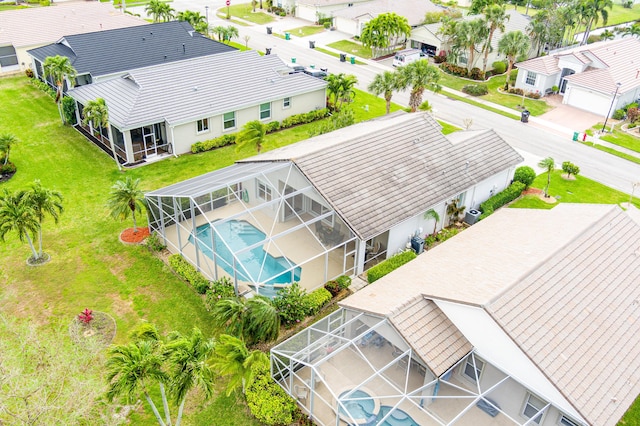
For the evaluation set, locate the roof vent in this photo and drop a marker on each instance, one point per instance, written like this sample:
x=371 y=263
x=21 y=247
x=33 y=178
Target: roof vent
x=195 y=88
x=143 y=39
x=184 y=48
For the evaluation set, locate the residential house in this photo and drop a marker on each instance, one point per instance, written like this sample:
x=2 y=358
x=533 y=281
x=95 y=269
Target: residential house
x=164 y=109
x=332 y=205
x=598 y=77
x=127 y=49
x=529 y=317
x=33 y=27
x=428 y=39
x=311 y=10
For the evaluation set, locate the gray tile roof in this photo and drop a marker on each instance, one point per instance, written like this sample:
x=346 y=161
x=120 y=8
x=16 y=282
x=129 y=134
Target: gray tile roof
x=413 y=10
x=380 y=173
x=115 y=51
x=577 y=316
x=189 y=90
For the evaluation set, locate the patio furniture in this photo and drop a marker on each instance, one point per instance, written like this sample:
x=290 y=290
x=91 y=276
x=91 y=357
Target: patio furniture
x=300 y=392
x=335 y=235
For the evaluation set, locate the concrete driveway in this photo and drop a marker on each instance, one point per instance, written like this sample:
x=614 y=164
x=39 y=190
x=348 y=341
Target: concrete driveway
x=572 y=118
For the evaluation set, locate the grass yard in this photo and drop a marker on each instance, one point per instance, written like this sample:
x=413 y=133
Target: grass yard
x=351 y=48
x=580 y=190
x=336 y=55
x=619 y=138
x=306 y=30
x=612 y=151
x=245 y=11
x=448 y=128
x=11 y=6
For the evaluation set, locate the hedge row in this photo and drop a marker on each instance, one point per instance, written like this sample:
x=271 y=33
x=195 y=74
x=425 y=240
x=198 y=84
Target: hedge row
x=44 y=87
x=475 y=89
x=503 y=197
x=186 y=271
x=316 y=300
x=340 y=283
x=441 y=236
x=475 y=73
x=230 y=139
x=268 y=402
x=383 y=268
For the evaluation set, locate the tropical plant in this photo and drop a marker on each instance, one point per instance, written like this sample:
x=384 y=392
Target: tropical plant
x=58 y=68
x=591 y=11
x=632 y=30
x=454 y=210
x=469 y=35
x=512 y=45
x=17 y=214
x=126 y=199
x=254 y=320
x=384 y=83
x=6 y=141
x=432 y=214
x=291 y=305
x=418 y=76
x=496 y=16
x=570 y=169
x=384 y=32
x=231 y=33
x=607 y=35
x=538 y=31
x=192 y=17
x=219 y=31
x=44 y=202
x=252 y=134
x=159 y=11
x=233 y=359
x=95 y=113
x=340 y=89
x=547 y=164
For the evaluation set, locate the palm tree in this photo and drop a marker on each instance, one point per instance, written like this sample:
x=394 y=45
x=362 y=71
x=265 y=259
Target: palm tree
x=340 y=87
x=432 y=214
x=189 y=367
x=194 y=18
x=45 y=202
x=228 y=314
x=233 y=359
x=261 y=320
x=126 y=198
x=384 y=83
x=496 y=17
x=252 y=133
x=469 y=35
x=6 y=140
x=159 y=11
x=219 y=31
x=538 y=30
x=58 y=68
x=512 y=45
x=633 y=30
x=607 y=35
x=232 y=32
x=418 y=75
x=95 y=112
x=17 y=214
x=591 y=12
x=132 y=368
x=548 y=164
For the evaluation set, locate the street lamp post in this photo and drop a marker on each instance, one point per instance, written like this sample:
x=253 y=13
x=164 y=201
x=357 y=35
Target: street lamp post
x=633 y=189
x=613 y=101
x=206 y=13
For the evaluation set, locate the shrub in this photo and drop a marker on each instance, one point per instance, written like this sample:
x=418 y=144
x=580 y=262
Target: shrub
x=516 y=91
x=340 y=283
x=499 y=67
x=187 y=272
x=268 y=402
x=619 y=114
x=44 y=87
x=533 y=95
x=29 y=73
x=218 y=290
x=154 y=243
x=316 y=300
x=633 y=114
x=447 y=233
x=476 y=89
x=476 y=74
x=454 y=69
x=290 y=303
x=631 y=105
x=570 y=169
x=69 y=110
x=214 y=143
x=8 y=168
x=441 y=57
x=555 y=89
x=524 y=174
x=503 y=197
x=304 y=118
x=326 y=25
x=383 y=268
x=273 y=126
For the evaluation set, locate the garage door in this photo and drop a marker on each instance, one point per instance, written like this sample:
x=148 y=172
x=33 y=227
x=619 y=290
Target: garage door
x=8 y=56
x=589 y=101
x=307 y=13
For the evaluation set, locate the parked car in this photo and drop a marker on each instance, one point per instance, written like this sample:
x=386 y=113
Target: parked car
x=295 y=68
x=319 y=73
x=406 y=56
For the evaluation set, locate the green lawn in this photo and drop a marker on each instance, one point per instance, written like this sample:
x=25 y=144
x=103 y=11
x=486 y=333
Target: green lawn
x=336 y=55
x=612 y=151
x=351 y=48
x=620 y=138
x=306 y=30
x=245 y=11
x=448 y=128
x=11 y=7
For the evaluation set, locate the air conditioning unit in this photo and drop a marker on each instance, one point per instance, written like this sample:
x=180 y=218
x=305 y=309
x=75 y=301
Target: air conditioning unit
x=472 y=216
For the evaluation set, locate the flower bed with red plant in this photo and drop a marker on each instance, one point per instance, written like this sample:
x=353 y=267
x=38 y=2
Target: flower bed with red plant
x=128 y=236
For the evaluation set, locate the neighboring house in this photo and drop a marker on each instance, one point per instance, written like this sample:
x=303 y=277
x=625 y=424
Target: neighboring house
x=332 y=205
x=311 y=10
x=164 y=109
x=529 y=317
x=24 y=29
x=587 y=76
x=428 y=39
x=126 y=49
x=351 y=20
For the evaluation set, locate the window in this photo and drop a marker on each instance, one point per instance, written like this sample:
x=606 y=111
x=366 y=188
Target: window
x=566 y=421
x=531 y=408
x=286 y=103
x=203 y=125
x=469 y=368
x=318 y=208
x=229 y=121
x=264 y=191
x=531 y=78
x=265 y=111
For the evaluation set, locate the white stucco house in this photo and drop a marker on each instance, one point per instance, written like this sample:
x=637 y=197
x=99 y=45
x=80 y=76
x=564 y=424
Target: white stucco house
x=163 y=109
x=310 y=10
x=595 y=77
x=332 y=205
x=529 y=317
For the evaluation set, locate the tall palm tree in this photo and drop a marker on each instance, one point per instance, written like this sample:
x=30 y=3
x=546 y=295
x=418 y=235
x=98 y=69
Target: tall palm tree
x=126 y=199
x=188 y=358
x=538 y=30
x=45 y=202
x=159 y=11
x=418 y=75
x=58 y=68
x=496 y=16
x=384 y=83
x=17 y=214
x=591 y=12
x=6 y=141
x=432 y=214
x=252 y=134
x=95 y=112
x=233 y=359
x=194 y=18
x=340 y=88
x=548 y=164
x=512 y=45
x=131 y=369
x=232 y=32
x=470 y=35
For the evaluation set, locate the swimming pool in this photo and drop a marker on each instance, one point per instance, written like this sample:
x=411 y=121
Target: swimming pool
x=260 y=266
x=363 y=410
x=396 y=418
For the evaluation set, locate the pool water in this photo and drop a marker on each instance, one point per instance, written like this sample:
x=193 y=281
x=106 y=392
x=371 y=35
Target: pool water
x=260 y=266
x=362 y=409
x=397 y=418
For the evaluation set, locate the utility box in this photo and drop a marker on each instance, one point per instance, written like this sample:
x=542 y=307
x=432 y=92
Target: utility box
x=472 y=216
x=417 y=245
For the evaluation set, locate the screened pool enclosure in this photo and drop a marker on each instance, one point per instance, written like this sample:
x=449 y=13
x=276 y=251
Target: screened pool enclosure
x=261 y=224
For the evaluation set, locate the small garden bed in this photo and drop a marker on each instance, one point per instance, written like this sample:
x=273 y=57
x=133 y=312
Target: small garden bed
x=128 y=236
x=93 y=325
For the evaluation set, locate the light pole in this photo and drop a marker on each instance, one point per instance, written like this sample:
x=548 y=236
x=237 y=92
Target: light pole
x=613 y=101
x=206 y=14
x=633 y=189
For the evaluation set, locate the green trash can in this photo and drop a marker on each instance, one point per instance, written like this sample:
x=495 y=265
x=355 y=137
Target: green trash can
x=293 y=60
x=575 y=136
x=353 y=60
x=312 y=66
x=287 y=36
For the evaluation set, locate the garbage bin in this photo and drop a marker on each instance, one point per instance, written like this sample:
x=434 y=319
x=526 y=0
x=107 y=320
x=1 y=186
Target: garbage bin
x=287 y=36
x=575 y=136
x=524 y=117
x=343 y=57
x=269 y=30
x=267 y=51
x=353 y=60
x=293 y=60
x=312 y=44
x=312 y=66
x=417 y=244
